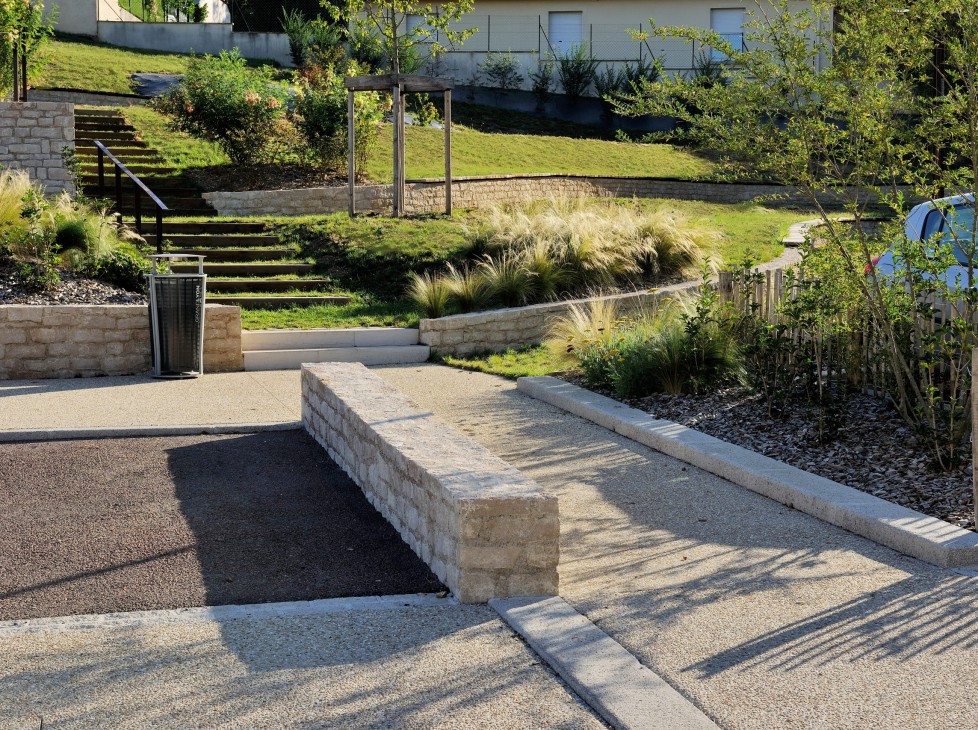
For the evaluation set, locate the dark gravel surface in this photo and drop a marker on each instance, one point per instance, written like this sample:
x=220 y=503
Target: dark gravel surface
x=73 y=289
x=133 y=524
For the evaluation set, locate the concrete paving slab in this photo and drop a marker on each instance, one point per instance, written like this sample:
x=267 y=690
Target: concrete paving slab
x=413 y=667
x=134 y=401
x=763 y=616
x=623 y=691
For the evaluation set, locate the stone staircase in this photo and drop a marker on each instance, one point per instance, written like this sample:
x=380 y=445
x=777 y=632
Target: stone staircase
x=288 y=349
x=246 y=263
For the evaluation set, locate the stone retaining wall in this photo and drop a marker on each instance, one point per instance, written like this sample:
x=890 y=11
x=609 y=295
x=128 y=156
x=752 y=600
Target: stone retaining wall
x=485 y=530
x=501 y=329
x=68 y=341
x=424 y=196
x=33 y=135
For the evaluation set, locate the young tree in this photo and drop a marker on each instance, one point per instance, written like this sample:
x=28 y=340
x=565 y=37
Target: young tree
x=26 y=25
x=860 y=108
x=386 y=24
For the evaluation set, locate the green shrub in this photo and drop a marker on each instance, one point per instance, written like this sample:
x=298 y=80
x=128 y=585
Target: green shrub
x=502 y=70
x=299 y=32
x=124 y=269
x=73 y=235
x=610 y=82
x=542 y=82
x=641 y=73
x=577 y=70
x=224 y=101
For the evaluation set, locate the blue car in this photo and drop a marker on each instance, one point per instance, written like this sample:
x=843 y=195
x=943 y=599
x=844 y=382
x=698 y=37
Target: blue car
x=954 y=220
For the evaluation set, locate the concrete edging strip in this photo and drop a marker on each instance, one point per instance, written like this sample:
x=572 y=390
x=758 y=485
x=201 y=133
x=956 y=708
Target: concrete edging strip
x=215 y=429
x=256 y=611
x=613 y=682
x=900 y=528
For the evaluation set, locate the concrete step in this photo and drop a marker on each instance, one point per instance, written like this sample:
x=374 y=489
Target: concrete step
x=113 y=126
x=316 y=339
x=278 y=302
x=292 y=359
x=106 y=137
x=97 y=113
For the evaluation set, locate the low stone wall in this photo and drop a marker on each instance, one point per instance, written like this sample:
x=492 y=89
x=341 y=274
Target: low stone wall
x=33 y=135
x=425 y=196
x=485 y=530
x=88 y=98
x=501 y=329
x=68 y=341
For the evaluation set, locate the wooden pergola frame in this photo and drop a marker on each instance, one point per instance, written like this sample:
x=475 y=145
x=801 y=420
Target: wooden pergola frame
x=398 y=85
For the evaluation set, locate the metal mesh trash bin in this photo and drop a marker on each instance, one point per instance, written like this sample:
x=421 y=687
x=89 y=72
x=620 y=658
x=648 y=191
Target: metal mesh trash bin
x=176 y=318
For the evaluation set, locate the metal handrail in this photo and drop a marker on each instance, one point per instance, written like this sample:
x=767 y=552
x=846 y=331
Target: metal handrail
x=141 y=188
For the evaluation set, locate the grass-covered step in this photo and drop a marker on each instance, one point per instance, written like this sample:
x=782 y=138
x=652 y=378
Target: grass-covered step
x=239 y=286
x=85 y=146
x=214 y=227
x=237 y=270
x=113 y=125
x=84 y=153
x=259 y=301
x=230 y=255
x=216 y=239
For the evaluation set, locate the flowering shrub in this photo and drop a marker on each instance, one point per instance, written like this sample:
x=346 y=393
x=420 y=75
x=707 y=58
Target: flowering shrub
x=223 y=100
x=321 y=115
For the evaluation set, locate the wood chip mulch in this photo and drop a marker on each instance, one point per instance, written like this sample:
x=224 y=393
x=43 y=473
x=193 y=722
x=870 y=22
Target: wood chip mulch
x=874 y=451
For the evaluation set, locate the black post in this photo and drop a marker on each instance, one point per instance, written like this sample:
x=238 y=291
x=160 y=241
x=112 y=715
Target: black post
x=16 y=96
x=101 y=172
x=139 y=213
x=159 y=229
x=118 y=194
x=23 y=69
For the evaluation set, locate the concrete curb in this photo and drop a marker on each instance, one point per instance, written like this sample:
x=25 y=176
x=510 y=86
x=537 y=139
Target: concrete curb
x=900 y=528
x=65 y=434
x=613 y=682
x=256 y=611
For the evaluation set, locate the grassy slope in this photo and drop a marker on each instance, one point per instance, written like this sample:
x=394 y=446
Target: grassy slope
x=180 y=150
x=77 y=63
x=480 y=153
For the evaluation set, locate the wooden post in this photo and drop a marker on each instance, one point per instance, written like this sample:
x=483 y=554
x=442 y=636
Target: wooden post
x=396 y=110
x=448 y=151
x=400 y=153
x=974 y=420
x=352 y=162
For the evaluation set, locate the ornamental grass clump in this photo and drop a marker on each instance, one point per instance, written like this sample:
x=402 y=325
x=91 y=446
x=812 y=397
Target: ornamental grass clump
x=430 y=293
x=470 y=290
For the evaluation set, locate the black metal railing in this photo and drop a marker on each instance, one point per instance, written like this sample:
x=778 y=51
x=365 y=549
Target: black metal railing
x=139 y=189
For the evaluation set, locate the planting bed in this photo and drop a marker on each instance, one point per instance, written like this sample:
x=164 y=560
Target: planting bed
x=135 y=524
x=73 y=289
x=874 y=452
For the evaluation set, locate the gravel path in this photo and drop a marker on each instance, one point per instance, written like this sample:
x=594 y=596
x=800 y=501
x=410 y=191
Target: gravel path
x=763 y=616
x=453 y=667
x=133 y=524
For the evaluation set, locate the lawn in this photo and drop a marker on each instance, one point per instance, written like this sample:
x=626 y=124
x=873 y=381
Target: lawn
x=179 y=149
x=482 y=153
x=512 y=364
x=79 y=63
x=361 y=312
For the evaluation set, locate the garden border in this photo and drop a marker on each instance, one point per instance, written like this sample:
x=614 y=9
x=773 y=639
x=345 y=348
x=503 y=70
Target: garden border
x=905 y=530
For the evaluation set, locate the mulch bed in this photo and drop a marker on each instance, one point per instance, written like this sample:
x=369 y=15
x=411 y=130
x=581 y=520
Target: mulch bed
x=73 y=289
x=874 y=452
x=132 y=524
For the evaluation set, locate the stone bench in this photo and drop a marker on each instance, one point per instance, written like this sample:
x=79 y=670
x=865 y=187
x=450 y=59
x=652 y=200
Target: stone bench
x=485 y=530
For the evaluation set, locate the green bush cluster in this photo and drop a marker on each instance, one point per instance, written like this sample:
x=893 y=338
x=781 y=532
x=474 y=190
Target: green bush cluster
x=40 y=235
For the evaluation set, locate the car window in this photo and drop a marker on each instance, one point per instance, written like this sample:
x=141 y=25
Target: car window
x=959 y=231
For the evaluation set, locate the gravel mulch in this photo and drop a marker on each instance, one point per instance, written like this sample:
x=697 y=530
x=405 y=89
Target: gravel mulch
x=875 y=452
x=73 y=289
x=137 y=524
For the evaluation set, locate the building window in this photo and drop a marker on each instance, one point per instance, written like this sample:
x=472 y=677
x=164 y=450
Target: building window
x=729 y=24
x=565 y=30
